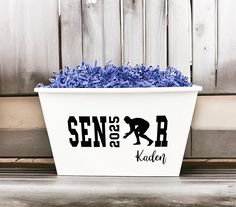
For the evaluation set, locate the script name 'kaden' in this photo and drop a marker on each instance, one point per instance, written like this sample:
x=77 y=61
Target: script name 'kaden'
x=154 y=157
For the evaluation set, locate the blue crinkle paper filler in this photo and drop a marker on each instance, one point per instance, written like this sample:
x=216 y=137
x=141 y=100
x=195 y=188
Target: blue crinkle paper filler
x=112 y=76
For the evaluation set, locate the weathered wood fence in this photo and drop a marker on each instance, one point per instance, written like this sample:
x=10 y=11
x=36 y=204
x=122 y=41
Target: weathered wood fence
x=38 y=37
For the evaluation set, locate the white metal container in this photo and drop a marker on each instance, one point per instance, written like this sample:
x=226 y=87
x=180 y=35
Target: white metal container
x=86 y=129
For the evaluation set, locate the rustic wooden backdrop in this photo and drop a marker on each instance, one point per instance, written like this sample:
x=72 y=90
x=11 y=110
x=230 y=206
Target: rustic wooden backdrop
x=38 y=37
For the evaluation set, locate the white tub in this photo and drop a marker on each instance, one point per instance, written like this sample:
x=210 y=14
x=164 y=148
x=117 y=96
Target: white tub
x=96 y=116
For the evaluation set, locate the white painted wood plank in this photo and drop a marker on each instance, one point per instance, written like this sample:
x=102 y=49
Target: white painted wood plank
x=205 y=44
x=93 y=33
x=215 y=113
x=29 y=49
x=71 y=32
x=179 y=31
x=156 y=32
x=133 y=32
x=112 y=31
x=226 y=73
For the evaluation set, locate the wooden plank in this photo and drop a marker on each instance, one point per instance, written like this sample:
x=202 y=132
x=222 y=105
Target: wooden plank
x=205 y=44
x=24 y=143
x=215 y=113
x=101 y=31
x=188 y=150
x=191 y=167
x=179 y=33
x=71 y=32
x=20 y=112
x=133 y=32
x=112 y=31
x=226 y=72
x=93 y=33
x=29 y=44
x=27 y=166
x=44 y=161
x=205 y=167
x=201 y=161
x=8 y=160
x=214 y=143
x=156 y=33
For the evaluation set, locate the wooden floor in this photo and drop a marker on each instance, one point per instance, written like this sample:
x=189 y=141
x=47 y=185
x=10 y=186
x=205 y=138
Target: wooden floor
x=39 y=186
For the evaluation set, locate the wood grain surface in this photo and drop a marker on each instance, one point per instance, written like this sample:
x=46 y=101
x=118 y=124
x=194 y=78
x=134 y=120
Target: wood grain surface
x=29 y=41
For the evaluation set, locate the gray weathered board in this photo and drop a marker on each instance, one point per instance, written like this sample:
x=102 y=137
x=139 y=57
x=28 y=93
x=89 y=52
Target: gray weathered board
x=29 y=49
x=197 y=37
x=214 y=45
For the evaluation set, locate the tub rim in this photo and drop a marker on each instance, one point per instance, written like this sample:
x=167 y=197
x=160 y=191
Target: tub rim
x=194 y=88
